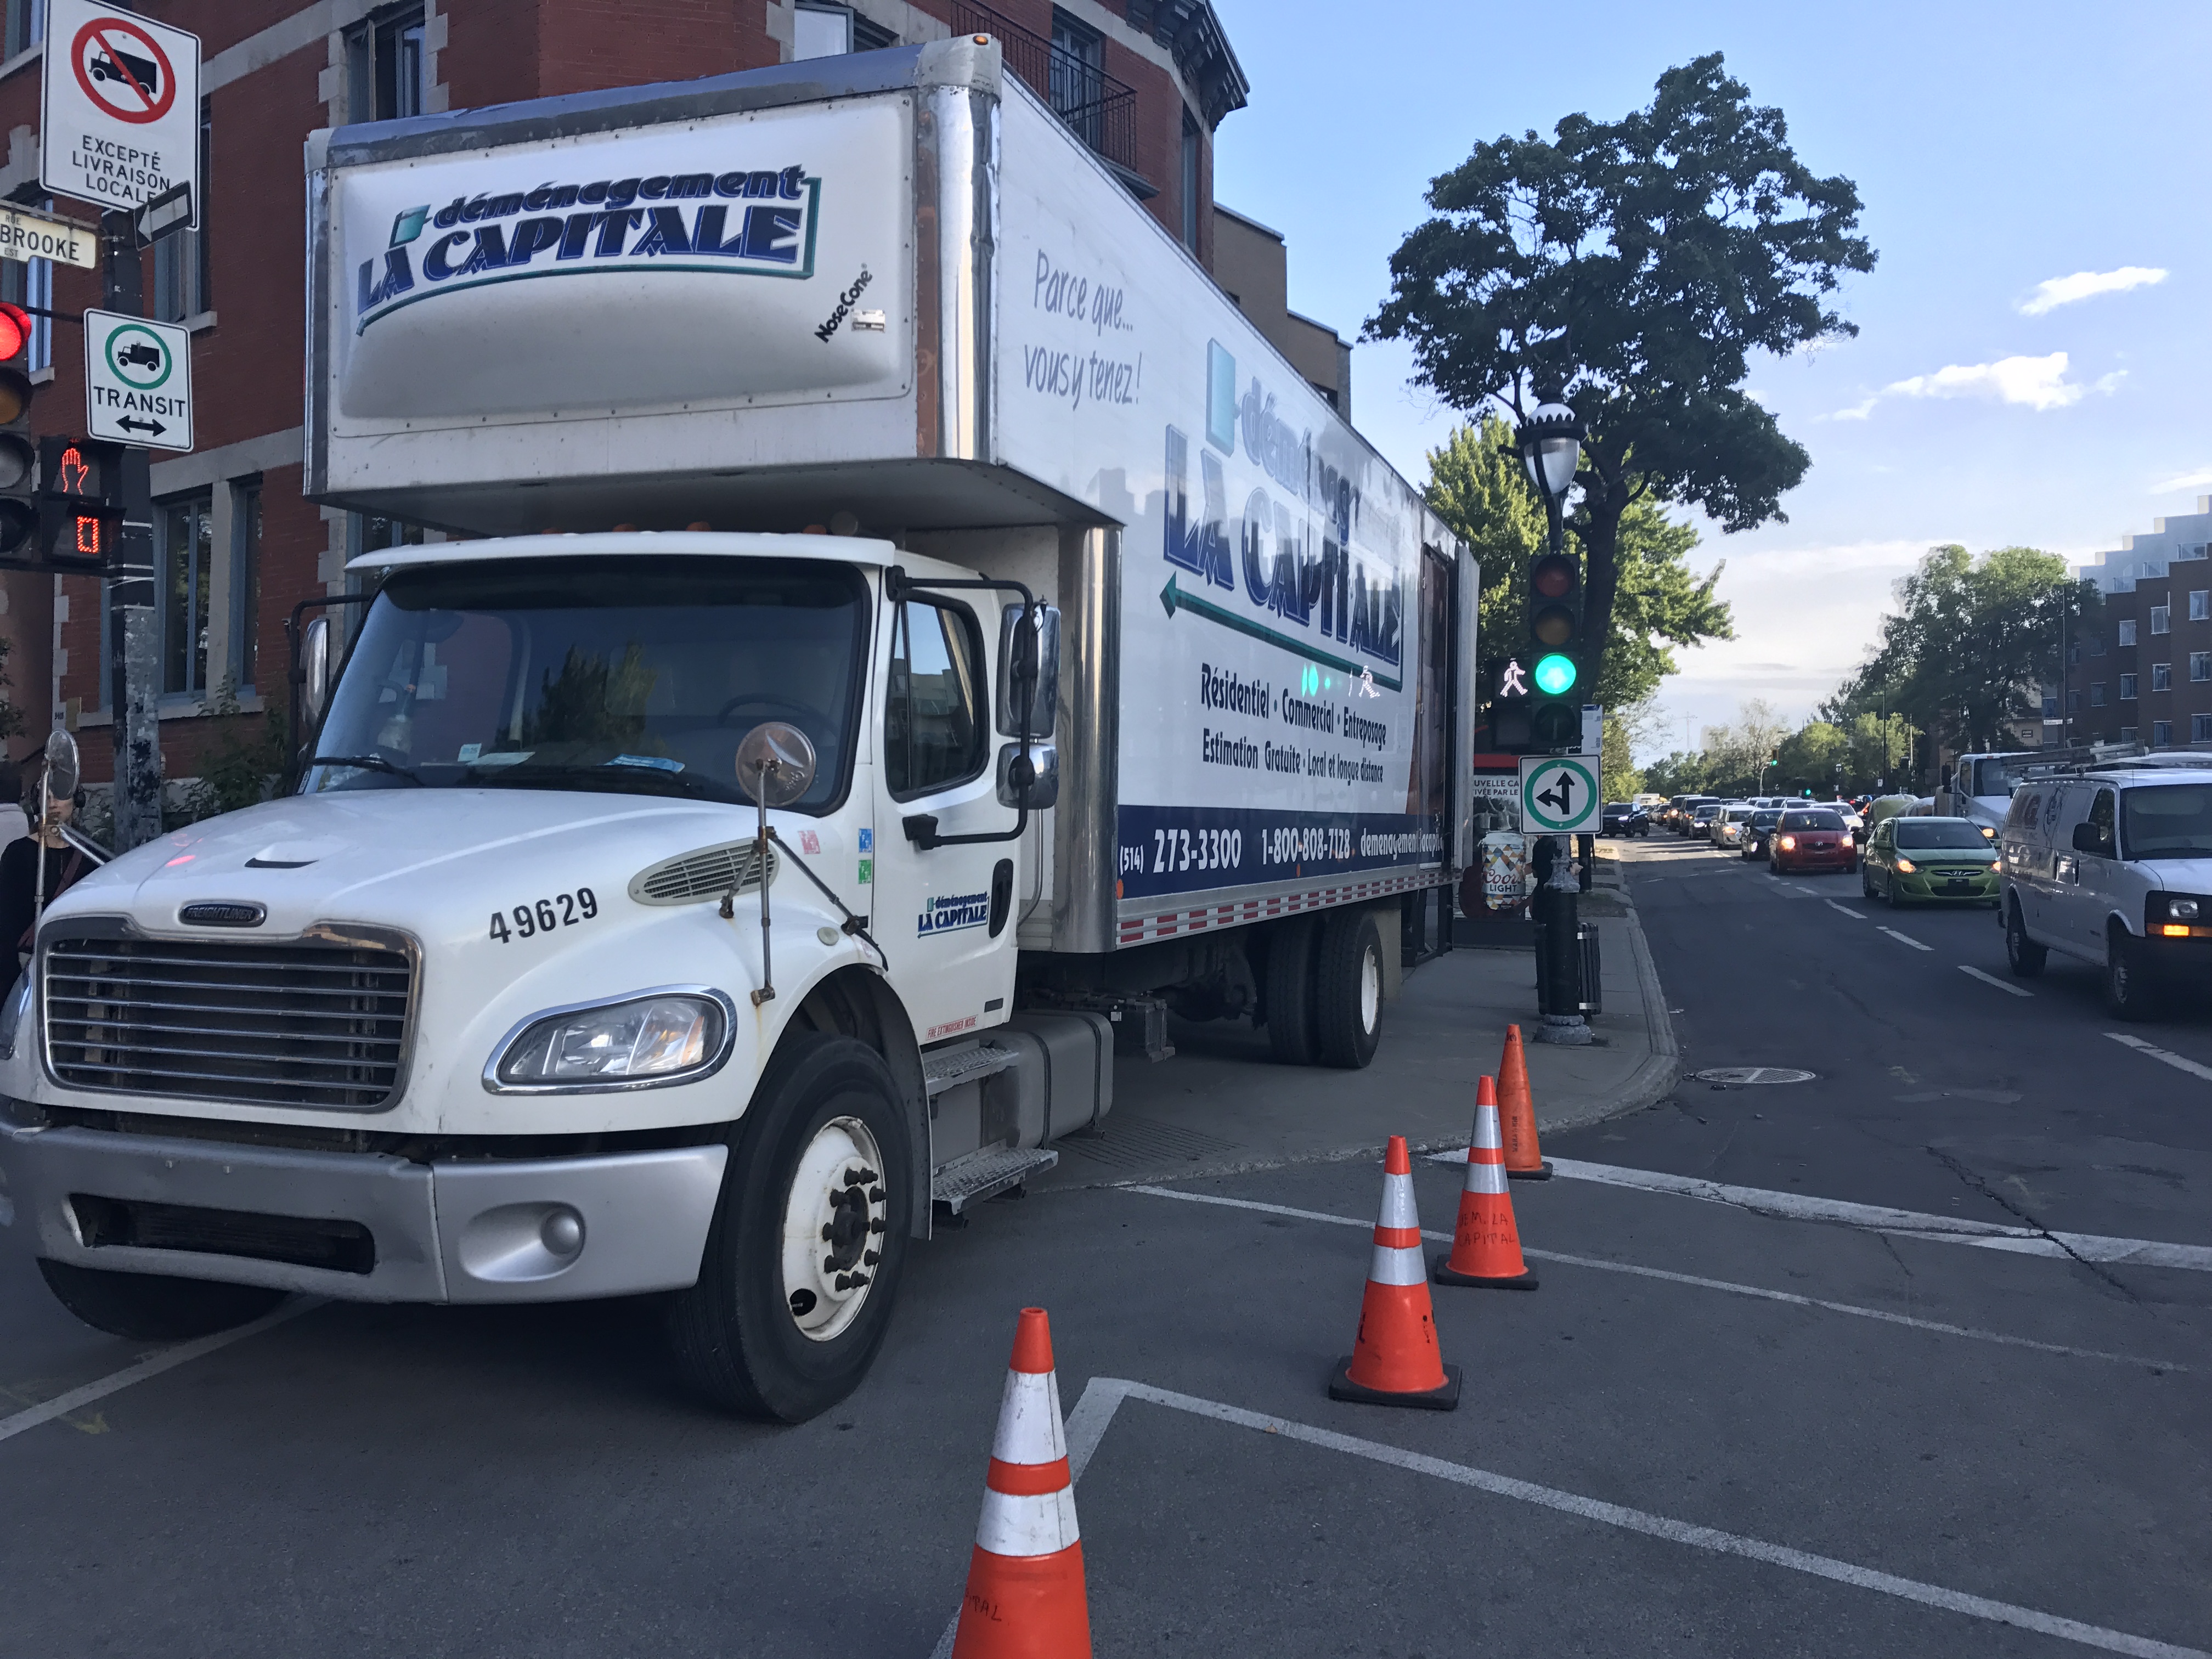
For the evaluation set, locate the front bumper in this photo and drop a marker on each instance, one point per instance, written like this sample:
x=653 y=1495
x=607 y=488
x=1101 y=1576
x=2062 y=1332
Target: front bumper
x=1933 y=887
x=548 y=1230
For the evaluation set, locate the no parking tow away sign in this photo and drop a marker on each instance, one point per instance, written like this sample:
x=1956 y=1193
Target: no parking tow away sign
x=137 y=381
x=119 y=121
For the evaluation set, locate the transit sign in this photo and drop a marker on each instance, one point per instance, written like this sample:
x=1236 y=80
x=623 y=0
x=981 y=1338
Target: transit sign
x=120 y=115
x=1559 y=795
x=137 y=381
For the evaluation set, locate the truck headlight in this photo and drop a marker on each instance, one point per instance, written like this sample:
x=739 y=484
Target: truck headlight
x=19 y=1004
x=2181 y=909
x=675 y=1034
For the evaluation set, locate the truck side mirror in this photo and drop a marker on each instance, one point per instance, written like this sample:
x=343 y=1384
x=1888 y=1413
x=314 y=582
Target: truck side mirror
x=315 y=668
x=63 y=769
x=1044 y=781
x=1029 y=657
x=2088 y=838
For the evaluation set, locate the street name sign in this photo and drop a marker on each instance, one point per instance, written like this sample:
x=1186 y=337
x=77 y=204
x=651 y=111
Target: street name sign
x=27 y=235
x=119 y=109
x=1559 y=795
x=137 y=381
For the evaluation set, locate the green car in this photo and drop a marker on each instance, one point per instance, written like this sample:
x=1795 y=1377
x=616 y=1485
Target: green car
x=1917 y=860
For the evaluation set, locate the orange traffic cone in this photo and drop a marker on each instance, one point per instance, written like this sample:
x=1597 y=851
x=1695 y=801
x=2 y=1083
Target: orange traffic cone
x=1025 y=1597
x=1394 y=1360
x=1485 y=1246
x=1518 y=1113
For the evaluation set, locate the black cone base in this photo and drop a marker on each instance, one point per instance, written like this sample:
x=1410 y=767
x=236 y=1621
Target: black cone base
x=1542 y=1172
x=1442 y=1273
x=1341 y=1387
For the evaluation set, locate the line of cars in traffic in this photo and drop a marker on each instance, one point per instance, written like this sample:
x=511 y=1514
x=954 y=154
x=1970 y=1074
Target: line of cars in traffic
x=1901 y=852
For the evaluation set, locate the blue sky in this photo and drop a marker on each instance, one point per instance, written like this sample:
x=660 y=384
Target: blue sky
x=1995 y=148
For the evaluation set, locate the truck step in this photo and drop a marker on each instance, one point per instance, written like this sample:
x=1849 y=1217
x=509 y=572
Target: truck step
x=964 y=1062
x=979 y=1175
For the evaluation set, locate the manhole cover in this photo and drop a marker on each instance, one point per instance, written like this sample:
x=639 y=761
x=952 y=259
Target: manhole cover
x=1754 y=1074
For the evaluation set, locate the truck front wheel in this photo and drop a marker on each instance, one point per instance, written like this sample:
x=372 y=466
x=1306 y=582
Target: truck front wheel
x=802 y=1264
x=153 y=1307
x=1348 y=989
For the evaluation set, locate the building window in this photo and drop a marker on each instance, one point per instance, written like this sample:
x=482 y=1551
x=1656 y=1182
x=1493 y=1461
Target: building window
x=383 y=65
x=25 y=25
x=2096 y=641
x=2050 y=705
x=2127 y=734
x=2127 y=688
x=2194 y=552
x=181 y=288
x=2096 y=694
x=31 y=283
x=246 y=578
x=2161 y=733
x=1077 y=77
x=2128 y=632
x=2200 y=728
x=184 y=558
x=1188 y=181
x=2073 y=702
x=2161 y=676
x=821 y=31
x=2162 y=619
x=2200 y=606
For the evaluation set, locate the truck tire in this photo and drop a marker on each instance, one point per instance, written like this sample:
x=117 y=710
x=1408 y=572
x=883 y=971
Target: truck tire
x=802 y=1264
x=1291 y=1029
x=2022 y=954
x=153 y=1307
x=2129 y=992
x=1348 y=989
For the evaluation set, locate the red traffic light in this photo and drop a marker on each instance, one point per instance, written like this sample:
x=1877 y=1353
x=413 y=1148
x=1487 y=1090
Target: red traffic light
x=1554 y=576
x=16 y=326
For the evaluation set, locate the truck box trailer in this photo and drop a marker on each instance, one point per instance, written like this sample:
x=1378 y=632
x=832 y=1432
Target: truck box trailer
x=889 y=630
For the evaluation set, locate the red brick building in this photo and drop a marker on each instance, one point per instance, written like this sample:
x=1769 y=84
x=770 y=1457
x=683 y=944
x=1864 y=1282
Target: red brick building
x=1144 y=83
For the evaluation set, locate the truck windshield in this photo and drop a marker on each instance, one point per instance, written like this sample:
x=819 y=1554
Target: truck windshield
x=2172 y=821
x=630 y=675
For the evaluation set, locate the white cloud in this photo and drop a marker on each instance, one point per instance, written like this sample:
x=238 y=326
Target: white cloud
x=1857 y=411
x=2039 y=382
x=2087 y=285
x=2196 y=480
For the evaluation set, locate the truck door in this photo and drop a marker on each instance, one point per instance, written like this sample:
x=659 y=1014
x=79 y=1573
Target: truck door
x=2098 y=870
x=941 y=911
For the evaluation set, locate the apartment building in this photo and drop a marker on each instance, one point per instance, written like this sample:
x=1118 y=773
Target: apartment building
x=2141 y=671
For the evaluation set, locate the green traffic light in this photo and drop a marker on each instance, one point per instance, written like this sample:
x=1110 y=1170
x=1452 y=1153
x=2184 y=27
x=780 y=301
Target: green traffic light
x=1555 y=674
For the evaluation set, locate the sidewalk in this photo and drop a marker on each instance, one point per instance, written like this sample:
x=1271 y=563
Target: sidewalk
x=1221 y=1106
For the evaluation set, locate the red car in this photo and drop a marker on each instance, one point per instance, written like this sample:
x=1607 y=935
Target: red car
x=1812 y=841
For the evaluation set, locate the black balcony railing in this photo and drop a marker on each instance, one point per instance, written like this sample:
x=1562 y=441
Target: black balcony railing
x=1098 y=109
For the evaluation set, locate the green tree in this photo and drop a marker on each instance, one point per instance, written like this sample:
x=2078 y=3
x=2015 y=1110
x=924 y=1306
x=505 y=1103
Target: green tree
x=1969 y=645
x=1808 y=757
x=1479 y=487
x=1632 y=267
x=1682 y=773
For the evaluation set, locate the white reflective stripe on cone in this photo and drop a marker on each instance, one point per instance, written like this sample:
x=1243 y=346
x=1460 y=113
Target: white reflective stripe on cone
x=1043 y=1524
x=1393 y=1266
x=1398 y=1202
x=1487 y=1136
x=1484 y=1178
x=1029 y=1419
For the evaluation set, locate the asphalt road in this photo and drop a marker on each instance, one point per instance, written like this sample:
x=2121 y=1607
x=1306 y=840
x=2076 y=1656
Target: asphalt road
x=1830 y=1433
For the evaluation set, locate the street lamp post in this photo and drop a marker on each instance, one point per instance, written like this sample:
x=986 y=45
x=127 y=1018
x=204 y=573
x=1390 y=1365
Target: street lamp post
x=1551 y=444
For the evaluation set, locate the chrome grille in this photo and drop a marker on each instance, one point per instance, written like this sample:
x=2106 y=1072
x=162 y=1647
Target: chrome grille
x=707 y=873
x=311 y=1023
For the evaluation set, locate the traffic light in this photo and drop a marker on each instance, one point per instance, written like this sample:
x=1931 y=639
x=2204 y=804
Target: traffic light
x=19 y=504
x=80 y=502
x=1555 y=627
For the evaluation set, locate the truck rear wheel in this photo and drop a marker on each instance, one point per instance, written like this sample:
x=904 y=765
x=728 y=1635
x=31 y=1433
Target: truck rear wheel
x=153 y=1307
x=1290 y=1027
x=802 y=1266
x=1348 y=989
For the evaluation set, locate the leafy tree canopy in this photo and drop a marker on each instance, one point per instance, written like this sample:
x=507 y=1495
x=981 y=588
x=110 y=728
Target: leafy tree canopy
x=1633 y=267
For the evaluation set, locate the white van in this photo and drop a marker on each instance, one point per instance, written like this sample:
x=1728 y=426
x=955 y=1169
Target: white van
x=2113 y=865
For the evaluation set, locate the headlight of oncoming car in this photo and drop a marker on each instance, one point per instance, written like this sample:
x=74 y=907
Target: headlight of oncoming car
x=674 y=1034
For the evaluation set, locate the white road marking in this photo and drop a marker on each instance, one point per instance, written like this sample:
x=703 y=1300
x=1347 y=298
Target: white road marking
x=2179 y=1062
x=1880 y=1219
x=1905 y=938
x=1799 y=887
x=1991 y=979
x=153 y=1365
x=1846 y=910
x=1112 y=1391
x=1757 y=1291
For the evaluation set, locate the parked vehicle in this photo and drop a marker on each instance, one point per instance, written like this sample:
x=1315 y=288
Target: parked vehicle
x=2113 y=865
x=699 y=913
x=1915 y=860
x=1810 y=840
x=1758 y=833
x=1623 y=818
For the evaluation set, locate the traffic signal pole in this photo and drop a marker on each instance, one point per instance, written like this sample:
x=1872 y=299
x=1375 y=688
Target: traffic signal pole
x=135 y=658
x=1562 y=997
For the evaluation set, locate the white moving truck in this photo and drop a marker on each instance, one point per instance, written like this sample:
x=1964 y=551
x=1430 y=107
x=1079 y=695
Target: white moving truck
x=493 y=1003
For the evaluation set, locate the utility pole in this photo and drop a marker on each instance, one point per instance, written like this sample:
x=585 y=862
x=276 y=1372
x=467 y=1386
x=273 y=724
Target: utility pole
x=135 y=652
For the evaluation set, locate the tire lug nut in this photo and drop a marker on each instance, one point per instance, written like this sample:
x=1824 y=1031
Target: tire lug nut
x=829 y=1232
x=869 y=1258
x=875 y=1226
x=878 y=1195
